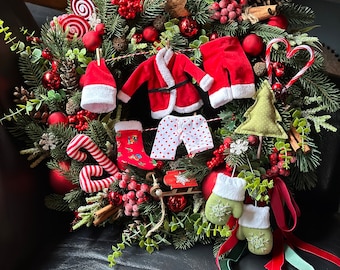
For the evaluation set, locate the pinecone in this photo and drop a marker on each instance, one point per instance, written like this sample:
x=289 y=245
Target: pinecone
x=42 y=114
x=72 y=106
x=22 y=95
x=69 y=75
x=158 y=23
x=120 y=44
x=260 y=69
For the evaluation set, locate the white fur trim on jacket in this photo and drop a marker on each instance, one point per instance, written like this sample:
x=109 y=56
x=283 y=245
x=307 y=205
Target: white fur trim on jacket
x=128 y=125
x=243 y=90
x=255 y=217
x=231 y=188
x=206 y=82
x=220 y=97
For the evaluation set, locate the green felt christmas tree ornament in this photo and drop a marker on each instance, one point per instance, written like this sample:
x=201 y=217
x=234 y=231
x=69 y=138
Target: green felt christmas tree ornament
x=262 y=117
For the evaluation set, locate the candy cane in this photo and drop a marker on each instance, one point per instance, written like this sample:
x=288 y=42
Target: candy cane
x=307 y=66
x=290 y=53
x=268 y=50
x=89 y=185
x=73 y=150
x=83 y=141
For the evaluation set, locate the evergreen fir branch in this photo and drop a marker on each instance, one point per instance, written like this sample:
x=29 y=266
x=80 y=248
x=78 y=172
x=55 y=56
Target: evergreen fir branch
x=97 y=132
x=180 y=240
x=75 y=199
x=115 y=25
x=232 y=28
x=298 y=16
x=200 y=11
x=34 y=131
x=56 y=202
x=31 y=72
x=318 y=84
x=151 y=9
x=56 y=40
x=63 y=135
x=267 y=32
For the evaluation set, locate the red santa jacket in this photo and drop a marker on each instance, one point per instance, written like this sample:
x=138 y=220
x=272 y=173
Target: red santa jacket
x=169 y=88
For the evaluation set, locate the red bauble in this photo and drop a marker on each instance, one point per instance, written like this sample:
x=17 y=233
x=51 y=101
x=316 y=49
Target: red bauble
x=57 y=118
x=115 y=198
x=58 y=182
x=92 y=40
x=253 y=45
x=209 y=182
x=46 y=54
x=253 y=140
x=188 y=27
x=51 y=80
x=176 y=203
x=278 y=21
x=150 y=34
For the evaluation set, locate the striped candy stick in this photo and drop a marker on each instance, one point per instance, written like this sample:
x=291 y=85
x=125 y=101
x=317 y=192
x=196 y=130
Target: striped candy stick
x=89 y=185
x=289 y=53
x=74 y=150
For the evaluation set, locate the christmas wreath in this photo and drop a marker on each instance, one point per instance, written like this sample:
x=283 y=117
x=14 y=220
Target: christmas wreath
x=185 y=121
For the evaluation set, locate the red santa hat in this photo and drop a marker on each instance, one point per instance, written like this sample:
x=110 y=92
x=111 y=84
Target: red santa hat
x=99 y=88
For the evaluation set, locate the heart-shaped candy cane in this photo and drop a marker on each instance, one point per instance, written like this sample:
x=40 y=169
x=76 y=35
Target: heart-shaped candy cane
x=289 y=53
x=74 y=150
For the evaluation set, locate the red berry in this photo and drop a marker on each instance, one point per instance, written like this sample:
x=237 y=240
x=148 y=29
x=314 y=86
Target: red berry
x=132 y=185
x=215 y=6
x=122 y=184
x=277 y=87
x=131 y=195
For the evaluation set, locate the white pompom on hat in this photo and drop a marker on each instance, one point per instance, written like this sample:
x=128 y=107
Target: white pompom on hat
x=99 y=88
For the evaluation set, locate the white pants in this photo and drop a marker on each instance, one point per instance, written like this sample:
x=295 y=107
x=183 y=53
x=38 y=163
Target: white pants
x=193 y=131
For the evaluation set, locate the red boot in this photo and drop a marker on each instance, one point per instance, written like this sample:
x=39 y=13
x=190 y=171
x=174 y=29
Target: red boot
x=130 y=147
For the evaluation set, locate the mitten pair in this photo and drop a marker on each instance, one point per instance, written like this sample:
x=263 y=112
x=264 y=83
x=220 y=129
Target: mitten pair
x=227 y=199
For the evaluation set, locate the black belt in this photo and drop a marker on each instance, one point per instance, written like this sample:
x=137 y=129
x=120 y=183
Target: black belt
x=168 y=89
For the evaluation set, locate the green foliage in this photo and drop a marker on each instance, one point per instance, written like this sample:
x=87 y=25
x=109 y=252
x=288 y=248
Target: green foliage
x=257 y=188
x=297 y=15
x=31 y=72
x=151 y=9
x=201 y=10
x=232 y=28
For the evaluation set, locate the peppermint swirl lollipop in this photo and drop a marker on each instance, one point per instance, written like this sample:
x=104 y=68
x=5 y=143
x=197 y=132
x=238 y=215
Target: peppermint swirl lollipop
x=83 y=8
x=75 y=25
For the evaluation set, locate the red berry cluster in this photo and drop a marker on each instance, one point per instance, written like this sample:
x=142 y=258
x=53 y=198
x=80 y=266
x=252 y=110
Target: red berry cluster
x=278 y=71
x=219 y=155
x=226 y=10
x=80 y=119
x=128 y=9
x=136 y=194
x=279 y=165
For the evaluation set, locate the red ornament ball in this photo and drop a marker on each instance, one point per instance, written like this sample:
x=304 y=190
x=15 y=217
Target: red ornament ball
x=176 y=203
x=209 y=182
x=47 y=54
x=253 y=45
x=278 y=21
x=51 y=80
x=188 y=27
x=57 y=118
x=115 y=198
x=92 y=40
x=58 y=182
x=150 y=34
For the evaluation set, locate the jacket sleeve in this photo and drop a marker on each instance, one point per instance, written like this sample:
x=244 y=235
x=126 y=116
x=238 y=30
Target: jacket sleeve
x=204 y=80
x=139 y=76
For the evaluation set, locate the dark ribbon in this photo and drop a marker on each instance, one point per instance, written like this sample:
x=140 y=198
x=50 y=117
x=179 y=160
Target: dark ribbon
x=283 y=235
x=284 y=240
x=168 y=89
